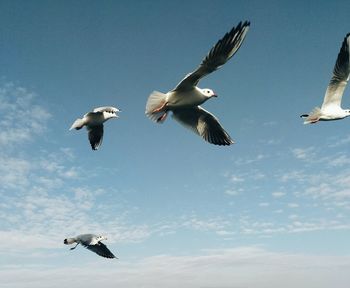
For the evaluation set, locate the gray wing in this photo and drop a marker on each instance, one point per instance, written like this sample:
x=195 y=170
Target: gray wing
x=100 y=249
x=204 y=124
x=223 y=50
x=109 y=109
x=340 y=76
x=95 y=134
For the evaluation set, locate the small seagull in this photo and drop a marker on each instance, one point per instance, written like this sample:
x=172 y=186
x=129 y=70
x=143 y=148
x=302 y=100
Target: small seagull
x=185 y=98
x=94 y=123
x=330 y=109
x=91 y=242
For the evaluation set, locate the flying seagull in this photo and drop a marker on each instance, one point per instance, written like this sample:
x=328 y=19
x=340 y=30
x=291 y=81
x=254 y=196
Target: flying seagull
x=330 y=109
x=94 y=123
x=91 y=242
x=185 y=98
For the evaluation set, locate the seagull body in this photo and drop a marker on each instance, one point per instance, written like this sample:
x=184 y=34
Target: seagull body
x=185 y=98
x=94 y=123
x=331 y=107
x=91 y=242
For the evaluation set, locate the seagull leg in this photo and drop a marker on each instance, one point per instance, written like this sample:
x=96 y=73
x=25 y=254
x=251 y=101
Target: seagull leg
x=160 y=108
x=314 y=120
x=74 y=247
x=162 y=118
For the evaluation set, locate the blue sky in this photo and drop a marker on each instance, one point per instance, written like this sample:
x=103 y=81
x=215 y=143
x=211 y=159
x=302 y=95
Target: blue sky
x=271 y=210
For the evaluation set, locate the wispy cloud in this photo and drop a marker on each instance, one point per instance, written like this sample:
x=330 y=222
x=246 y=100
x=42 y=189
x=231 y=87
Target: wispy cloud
x=304 y=153
x=222 y=268
x=247 y=161
x=42 y=220
x=235 y=178
x=233 y=192
x=22 y=118
x=44 y=197
x=338 y=160
x=278 y=194
x=197 y=223
x=344 y=140
x=14 y=172
x=293 y=205
x=264 y=204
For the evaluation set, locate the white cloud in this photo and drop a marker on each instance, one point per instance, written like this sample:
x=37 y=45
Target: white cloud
x=264 y=204
x=60 y=163
x=340 y=141
x=292 y=175
x=304 y=153
x=250 y=160
x=21 y=117
x=330 y=190
x=14 y=172
x=236 y=178
x=42 y=220
x=293 y=216
x=225 y=233
x=278 y=194
x=270 y=141
x=233 y=192
x=68 y=153
x=339 y=161
x=26 y=172
x=194 y=222
x=293 y=205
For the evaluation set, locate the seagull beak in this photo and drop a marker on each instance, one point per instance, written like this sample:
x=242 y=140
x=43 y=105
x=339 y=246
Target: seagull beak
x=214 y=95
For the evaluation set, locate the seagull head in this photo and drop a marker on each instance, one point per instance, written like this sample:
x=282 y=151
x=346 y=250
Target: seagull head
x=68 y=241
x=111 y=114
x=209 y=93
x=102 y=237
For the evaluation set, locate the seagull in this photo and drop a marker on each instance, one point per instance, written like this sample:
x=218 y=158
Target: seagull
x=330 y=109
x=185 y=98
x=91 y=242
x=94 y=123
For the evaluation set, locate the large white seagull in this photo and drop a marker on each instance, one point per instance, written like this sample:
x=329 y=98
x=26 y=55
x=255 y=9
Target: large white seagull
x=185 y=98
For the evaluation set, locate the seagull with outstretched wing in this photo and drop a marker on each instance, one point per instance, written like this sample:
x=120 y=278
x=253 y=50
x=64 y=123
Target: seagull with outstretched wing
x=94 y=123
x=91 y=242
x=185 y=98
x=331 y=107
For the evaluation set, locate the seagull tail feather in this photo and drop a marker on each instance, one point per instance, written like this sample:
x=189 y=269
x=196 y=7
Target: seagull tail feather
x=78 y=124
x=156 y=101
x=313 y=117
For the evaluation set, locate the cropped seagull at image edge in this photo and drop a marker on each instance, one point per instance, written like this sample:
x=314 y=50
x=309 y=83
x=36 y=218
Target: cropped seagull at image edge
x=331 y=109
x=91 y=242
x=94 y=123
x=185 y=98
